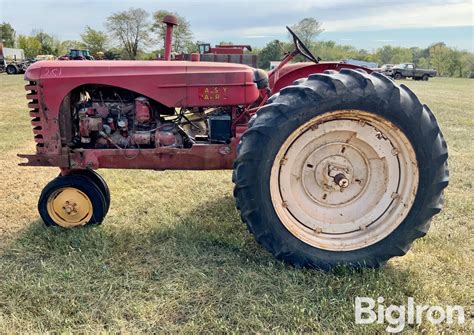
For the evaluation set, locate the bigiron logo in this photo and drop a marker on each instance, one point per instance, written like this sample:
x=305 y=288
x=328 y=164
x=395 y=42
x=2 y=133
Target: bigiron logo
x=369 y=310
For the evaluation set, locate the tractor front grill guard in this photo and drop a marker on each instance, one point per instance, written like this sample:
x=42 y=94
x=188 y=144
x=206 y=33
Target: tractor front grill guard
x=35 y=113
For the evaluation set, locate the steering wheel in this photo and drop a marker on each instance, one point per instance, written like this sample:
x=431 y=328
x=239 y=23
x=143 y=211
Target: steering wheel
x=303 y=49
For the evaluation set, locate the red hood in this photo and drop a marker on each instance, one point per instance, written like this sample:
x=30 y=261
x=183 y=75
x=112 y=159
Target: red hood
x=173 y=83
x=68 y=69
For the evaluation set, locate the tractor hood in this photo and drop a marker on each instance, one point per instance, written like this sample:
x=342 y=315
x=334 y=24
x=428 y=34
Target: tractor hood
x=172 y=83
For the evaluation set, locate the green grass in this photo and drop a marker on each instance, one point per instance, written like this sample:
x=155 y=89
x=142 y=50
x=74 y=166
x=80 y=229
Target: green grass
x=173 y=256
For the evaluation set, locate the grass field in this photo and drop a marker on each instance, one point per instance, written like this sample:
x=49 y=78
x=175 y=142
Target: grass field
x=173 y=256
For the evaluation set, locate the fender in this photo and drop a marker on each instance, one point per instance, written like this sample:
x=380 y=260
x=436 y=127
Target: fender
x=295 y=71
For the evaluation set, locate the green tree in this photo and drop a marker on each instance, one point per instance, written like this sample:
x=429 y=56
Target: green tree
x=7 y=35
x=66 y=45
x=94 y=40
x=131 y=29
x=273 y=51
x=307 y=30
x=182 y=34
x=439 y=54
x=467 y=61
x=30 y=45
x=393 y=55
x=50 y=45
x=423 y=63
x=46 y=41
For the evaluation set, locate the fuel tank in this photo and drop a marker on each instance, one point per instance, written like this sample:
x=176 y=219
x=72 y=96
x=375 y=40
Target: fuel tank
x=172 y=83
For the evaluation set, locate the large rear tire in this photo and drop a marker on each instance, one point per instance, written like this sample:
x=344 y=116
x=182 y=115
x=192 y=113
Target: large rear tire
x=342 y=168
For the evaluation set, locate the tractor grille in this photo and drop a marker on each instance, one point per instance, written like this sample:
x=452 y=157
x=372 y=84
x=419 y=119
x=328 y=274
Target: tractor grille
x=35 y=113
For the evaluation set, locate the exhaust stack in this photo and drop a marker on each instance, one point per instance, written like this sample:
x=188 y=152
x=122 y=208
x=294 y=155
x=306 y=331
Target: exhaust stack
x=170 y=21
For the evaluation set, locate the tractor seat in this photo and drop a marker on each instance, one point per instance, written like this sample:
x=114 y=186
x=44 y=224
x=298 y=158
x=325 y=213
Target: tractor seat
x=260 y=77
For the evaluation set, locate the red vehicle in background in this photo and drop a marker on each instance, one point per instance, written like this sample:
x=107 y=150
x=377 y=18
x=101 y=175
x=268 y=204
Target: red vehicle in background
x=234 y=53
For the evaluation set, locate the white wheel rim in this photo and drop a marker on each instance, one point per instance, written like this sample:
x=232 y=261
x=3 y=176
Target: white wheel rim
x=344 y=180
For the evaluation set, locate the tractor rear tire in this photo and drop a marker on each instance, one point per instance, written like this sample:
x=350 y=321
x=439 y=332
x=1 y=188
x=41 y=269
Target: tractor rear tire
x=71 y=201
x=332 y=132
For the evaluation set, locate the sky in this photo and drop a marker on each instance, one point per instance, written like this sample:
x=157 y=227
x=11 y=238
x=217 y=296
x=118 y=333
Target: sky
x=361 y=23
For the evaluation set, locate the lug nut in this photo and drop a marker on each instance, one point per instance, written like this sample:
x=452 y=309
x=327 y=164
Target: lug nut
x=341 y=180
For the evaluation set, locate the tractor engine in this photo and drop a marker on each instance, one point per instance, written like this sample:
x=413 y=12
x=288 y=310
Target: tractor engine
x=106 y=118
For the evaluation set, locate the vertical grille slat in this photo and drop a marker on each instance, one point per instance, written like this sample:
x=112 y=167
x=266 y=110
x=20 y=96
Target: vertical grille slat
x=35 y=114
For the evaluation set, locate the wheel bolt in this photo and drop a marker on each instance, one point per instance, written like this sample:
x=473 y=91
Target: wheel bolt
x=341 y=180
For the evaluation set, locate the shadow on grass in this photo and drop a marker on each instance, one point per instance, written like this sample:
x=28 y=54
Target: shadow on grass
x=202 y=272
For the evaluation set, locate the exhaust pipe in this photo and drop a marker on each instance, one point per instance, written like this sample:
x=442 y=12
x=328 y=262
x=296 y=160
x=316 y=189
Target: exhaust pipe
x=170 y=21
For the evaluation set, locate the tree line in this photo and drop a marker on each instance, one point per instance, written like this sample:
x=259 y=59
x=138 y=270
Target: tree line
x=449 y=62
x=132 y=33
x=128 y=34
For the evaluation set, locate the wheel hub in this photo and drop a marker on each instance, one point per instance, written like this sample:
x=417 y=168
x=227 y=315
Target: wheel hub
x=69 y=207
x=339 y=175
x=339 y=172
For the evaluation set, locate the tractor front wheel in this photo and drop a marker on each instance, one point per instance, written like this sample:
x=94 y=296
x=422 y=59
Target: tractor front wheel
x=342 y=168
x=98 y=181
x=72 y=201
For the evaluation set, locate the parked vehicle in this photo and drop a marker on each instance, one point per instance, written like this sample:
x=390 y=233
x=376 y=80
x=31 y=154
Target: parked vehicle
x=44 y=57
x=409 y=70
x=387 y=69
x=12 y=60
x=223 y=53
x=370 y=65
x=330 y=160
x=77 y=54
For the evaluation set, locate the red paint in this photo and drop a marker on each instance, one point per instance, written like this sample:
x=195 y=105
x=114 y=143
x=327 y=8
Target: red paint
x=233 y=49
x=292 y=72
x=170 y=21
x=172 y=83
x=142 y=110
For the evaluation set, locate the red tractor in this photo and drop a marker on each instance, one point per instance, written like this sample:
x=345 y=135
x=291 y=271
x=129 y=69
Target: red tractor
x=333 y=165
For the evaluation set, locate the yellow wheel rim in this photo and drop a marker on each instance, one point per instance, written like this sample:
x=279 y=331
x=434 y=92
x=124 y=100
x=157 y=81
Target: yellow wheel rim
x=69 y=207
